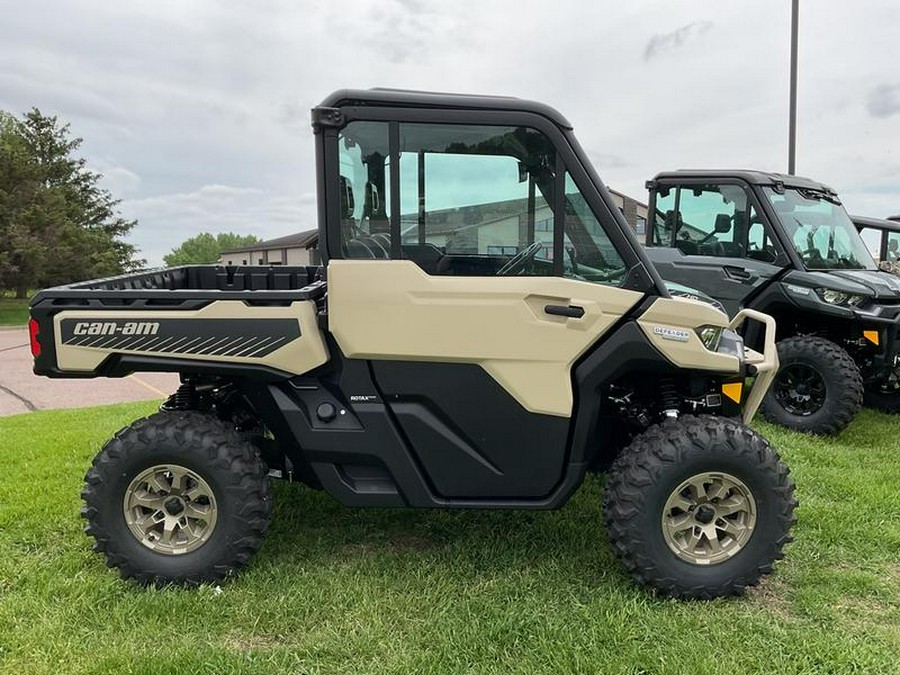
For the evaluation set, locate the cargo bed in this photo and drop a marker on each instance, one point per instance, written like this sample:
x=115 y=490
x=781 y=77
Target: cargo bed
x=252 y=321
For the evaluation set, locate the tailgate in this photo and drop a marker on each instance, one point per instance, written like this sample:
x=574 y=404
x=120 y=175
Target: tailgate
x=227 y=336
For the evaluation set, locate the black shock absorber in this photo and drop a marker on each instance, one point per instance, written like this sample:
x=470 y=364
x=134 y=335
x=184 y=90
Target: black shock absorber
x=186 y=398
x=668 y=395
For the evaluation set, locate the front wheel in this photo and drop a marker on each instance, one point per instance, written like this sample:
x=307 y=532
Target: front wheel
x=699 y=507
x=818 y=388
x=177 y=497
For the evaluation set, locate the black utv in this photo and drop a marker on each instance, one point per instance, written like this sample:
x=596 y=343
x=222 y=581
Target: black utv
x=882 y=236
x=785 y=246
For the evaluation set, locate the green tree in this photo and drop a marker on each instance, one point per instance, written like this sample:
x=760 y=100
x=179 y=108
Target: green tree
x=57 y=225
x=205 y=248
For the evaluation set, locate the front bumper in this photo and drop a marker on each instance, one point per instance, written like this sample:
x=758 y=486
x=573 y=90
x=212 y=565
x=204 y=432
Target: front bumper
x=764 y=364
x=883 y=356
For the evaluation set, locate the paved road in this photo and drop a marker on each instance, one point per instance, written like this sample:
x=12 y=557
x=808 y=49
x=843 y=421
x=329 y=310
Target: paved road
x=22 y=391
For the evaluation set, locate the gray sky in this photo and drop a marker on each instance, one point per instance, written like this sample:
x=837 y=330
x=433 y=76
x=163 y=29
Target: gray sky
x=197 y=111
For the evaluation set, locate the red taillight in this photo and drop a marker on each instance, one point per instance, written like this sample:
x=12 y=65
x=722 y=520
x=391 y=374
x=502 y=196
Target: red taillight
x=34 y=330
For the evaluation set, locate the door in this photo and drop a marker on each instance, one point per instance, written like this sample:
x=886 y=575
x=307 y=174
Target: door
x=713 y=238
x=501 y=279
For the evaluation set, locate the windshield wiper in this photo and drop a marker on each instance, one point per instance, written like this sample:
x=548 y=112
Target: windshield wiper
x=808 y=193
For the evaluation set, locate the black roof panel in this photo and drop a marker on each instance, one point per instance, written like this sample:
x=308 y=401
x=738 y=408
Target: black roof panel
x=404 y=98
x=877 y=223
x=749 y=176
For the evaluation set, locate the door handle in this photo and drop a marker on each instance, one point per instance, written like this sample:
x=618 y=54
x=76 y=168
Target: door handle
x=573 y=311
x=737 y=273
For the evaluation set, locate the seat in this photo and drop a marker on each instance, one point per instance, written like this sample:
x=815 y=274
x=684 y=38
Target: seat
x=731 y=249
x=687 y=246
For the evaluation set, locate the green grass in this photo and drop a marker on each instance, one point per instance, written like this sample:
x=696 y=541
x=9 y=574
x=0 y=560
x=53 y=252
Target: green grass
x=340 y=590
x=13 y=312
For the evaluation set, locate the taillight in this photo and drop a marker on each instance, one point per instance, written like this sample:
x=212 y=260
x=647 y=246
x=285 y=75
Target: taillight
x=34 y=330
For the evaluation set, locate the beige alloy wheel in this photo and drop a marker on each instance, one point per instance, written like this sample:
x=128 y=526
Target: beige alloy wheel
x=709 y=518
x=170 y=509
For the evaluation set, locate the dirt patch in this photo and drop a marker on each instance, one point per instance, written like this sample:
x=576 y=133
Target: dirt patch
x=248 y=643
x=772 y=595
x=400 y=543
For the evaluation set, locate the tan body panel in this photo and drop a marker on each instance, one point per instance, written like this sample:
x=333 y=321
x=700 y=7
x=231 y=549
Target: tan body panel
x=392 y=309
x=296 y=356
x=686 y=315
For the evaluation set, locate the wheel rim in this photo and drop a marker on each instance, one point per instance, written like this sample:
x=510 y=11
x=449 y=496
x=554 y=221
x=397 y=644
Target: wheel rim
x=709 y=518
x=799 y=389
x=170 y=509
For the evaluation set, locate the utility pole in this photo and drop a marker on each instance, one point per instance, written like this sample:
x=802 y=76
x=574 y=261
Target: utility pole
x=792 y=122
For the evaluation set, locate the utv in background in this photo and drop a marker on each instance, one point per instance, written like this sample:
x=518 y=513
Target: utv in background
x=484 y=331
x=882 y=236
x=785 y=246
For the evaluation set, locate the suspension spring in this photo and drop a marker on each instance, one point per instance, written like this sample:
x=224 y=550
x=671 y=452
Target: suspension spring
x=668 y=394
x=185 y=398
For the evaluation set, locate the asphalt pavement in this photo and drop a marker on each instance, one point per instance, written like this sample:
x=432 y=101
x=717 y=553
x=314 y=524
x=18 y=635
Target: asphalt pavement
x=22 y=391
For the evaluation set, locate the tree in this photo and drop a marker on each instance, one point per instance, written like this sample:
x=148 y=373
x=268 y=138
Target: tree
x=206 y=248
x=57 y=225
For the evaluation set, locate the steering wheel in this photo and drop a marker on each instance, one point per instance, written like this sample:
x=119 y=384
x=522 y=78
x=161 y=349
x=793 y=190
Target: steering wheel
x=518 y=262
x=616 y=274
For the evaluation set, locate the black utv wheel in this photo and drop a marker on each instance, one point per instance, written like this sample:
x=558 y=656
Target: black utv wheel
x=699 y=507
x=177 y=497
x=818 y=388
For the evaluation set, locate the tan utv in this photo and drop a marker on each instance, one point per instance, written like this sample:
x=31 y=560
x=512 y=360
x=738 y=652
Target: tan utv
x=483 y=331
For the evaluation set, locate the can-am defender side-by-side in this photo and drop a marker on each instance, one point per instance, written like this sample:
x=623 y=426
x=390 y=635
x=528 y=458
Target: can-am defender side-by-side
x=882 y=236
x=784 y=245
x=484 y=330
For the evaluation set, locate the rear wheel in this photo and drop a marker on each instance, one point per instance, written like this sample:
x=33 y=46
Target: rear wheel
x=883 y=396
x=818 y=388
x=177 y=497
x=699 y=507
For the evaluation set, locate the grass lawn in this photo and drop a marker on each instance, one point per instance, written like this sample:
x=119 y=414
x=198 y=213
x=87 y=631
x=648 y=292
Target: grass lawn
x=339 y=590
x=13 y=312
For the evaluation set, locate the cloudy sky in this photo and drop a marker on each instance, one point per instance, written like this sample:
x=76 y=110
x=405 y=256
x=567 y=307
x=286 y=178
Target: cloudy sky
x=196 y=111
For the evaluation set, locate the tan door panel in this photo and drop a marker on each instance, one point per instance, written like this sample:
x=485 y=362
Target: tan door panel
x=392 y=309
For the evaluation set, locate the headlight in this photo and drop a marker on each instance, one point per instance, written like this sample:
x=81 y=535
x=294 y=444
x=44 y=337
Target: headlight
x=839 y=298
x=710 y=336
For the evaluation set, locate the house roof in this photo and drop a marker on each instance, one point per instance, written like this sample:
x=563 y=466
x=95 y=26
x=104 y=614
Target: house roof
x=306 y=239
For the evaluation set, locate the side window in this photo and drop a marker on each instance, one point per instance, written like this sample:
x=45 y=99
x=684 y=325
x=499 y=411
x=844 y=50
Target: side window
x=706 y=220
x=893 y=247
x=761 y=245
x=473 y=198
x=872 y=239
x=589 y=253
x=664 y=217
x=365 y=190
x=716 y=221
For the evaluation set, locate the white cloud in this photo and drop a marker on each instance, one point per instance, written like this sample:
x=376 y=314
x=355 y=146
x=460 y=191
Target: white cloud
x=175 y=95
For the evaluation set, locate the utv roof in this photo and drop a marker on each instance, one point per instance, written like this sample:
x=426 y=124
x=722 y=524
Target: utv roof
x=406 y=98
x=878 y=223
x=749 y=176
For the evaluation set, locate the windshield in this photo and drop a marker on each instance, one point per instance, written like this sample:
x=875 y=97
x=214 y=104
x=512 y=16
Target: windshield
x=820 y=230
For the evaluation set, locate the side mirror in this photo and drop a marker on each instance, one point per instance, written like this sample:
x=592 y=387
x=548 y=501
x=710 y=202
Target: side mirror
x=723 y=223
x=348 y=206
x=523 y=172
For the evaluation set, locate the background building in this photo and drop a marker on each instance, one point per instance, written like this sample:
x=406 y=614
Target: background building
x=292 y=249
x=302 y=248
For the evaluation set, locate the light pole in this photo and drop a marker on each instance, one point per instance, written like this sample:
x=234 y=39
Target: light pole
x=792 y=121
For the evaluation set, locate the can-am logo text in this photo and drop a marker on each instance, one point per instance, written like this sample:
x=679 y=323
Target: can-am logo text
x=110 y=328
